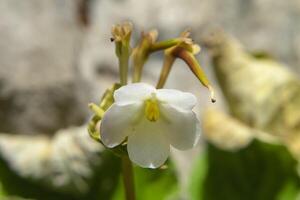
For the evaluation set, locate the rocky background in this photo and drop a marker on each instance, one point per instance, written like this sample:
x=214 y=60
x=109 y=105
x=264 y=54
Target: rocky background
x=56 y=56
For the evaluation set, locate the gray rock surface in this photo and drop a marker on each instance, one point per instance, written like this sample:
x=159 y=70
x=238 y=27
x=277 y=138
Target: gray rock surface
x=262 y=25
x=39 y=83
x=42 y=43
x=65 y=163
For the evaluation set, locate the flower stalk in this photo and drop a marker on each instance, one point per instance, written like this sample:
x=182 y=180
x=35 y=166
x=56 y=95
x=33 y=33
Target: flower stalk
x=195 y=67
x=141 y=53
x=121 y=35
x=167 y=65
x=186 y=51
x=147 y=46
x=158 y=46
x=128 y=178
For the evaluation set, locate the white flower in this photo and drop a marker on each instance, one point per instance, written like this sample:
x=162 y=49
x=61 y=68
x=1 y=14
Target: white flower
x=152 y=120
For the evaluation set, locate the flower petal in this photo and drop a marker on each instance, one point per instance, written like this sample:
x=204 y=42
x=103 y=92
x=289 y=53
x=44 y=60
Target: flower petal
x=117 y=123
x=176 y=98
x=182 y=127
x=148 y=147
x=133 y=93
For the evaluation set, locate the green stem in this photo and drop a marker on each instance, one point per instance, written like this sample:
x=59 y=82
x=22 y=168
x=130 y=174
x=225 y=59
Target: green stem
x=128 y=178
x=123 y=66
x=143 y=51
x=168 y=62
x=158 y=46
x=137 y=71
x=140 y=56
x=127 y=169
x=195 y=67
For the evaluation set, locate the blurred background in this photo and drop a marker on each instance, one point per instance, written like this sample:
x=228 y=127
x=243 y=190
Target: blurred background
x=56 y=57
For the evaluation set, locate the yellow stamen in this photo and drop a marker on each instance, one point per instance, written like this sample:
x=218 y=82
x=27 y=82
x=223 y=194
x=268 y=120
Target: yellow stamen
x=152 y=109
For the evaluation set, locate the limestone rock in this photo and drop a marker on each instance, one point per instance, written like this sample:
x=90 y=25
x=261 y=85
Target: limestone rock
x=65 y=163
x=229 y=133
x=39 y=83
x=260 y=92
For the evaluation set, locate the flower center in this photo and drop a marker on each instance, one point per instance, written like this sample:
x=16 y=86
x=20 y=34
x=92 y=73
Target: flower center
x=152 y=109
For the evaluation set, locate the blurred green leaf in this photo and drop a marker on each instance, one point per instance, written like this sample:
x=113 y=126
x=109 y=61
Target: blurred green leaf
x=2 y=192
x=258 y=172
x=151 y=184
x=289 y=191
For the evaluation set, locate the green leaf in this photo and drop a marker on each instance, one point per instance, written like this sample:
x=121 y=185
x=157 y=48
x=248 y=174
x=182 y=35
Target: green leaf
x=2 y=191
x=259 y=172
